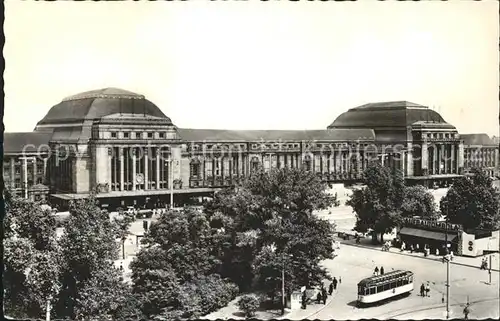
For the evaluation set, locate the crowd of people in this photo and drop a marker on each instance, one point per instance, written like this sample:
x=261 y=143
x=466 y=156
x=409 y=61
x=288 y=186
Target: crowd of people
x=323 y=293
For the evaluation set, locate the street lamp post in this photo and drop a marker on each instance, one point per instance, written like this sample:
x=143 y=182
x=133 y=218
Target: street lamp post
x=447 y=258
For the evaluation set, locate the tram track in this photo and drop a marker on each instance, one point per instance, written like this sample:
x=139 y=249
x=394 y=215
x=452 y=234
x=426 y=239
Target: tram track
x=400 y=312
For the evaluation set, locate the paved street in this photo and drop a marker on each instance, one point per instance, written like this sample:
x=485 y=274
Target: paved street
x=354 y=264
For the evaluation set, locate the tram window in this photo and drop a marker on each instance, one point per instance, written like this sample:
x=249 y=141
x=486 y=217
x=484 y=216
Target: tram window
x=373 y=290
x=394 y=285
x=386 y=286
x=411 y=279
x=400 y=282
x=380 y=288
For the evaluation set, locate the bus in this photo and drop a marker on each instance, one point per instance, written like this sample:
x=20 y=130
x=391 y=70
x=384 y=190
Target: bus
x=381 y=287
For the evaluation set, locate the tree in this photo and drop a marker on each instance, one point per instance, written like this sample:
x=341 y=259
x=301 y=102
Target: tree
x=249 y=305
x=378 y=204
x=472 y=202
x=274 y=208
x=31 y=259
x=175 y=273
x=123 y=222
x=89 y=248
x=418 y=201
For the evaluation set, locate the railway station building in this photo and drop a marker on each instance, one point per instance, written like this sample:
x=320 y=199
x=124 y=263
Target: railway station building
x=121 y=145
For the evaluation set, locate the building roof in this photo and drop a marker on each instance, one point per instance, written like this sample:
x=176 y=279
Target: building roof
x=99 y=103
x=189 y=134
x=16 y=143
x=386 y=114
x=478 y=140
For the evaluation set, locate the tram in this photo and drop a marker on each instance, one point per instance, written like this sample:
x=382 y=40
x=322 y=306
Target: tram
x=381 y=287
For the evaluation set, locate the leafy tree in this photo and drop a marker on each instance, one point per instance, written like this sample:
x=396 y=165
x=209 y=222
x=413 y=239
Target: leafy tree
x=123 y=222
x=249 y=305
x=31 y=258
x=472 y=202
x=378 y=204
x=89 y=248
x=418 y=201
x=174 y=274
x=274 y=208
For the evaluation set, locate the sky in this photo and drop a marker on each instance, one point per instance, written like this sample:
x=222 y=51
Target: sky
x=256 y=65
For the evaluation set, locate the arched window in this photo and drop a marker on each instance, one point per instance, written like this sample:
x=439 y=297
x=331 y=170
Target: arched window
x=194 y=168
x=307 y=163
x=254 y=163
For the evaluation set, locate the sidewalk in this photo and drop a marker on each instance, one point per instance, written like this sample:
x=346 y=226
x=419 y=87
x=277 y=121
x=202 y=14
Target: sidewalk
x=474 y=262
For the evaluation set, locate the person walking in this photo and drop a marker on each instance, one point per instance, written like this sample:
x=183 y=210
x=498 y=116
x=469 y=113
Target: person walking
x=411 y=248
x=334 y=283
x=324 y=295
x=304 y=300
x=417 y=247
x=330 y=288
x=466 y=311
x=375 y=272
x=318 y=298
x=340 y=279
x=422 y=290
x=381 y=270
x=427 y=289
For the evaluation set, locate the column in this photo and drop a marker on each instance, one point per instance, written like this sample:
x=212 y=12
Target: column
x=134 y=170
x=146 y=172
x=453 y=165
x=424 y=159
x=460 y=158
x=25 y=176
x=445 y=158
x=34 y=171
x=110 y=160
x=495 y=160
x=157 y=168
x=122 y=170
x=338 y=162
x=12 y=172
x=240 y=165
x=402 y=160
x=331 y=168
x=289 y=160
x=435 y=168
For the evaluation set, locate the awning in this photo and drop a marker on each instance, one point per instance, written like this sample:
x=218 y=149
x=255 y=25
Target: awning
x=430 y=235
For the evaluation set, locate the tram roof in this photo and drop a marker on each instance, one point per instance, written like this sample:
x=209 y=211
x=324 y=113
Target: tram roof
x=385 y=277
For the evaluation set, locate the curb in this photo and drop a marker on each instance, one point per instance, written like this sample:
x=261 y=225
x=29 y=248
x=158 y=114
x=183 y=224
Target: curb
x=405 y=254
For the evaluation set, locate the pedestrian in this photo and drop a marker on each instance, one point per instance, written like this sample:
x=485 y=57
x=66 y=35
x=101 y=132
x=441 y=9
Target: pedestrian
x=121 y=266
x=451 y=255
x=427 y=289
x=381 y=270
x=437 y=251
x=375 y=272
x=330 y=288
x=323 y=295
x=304 y=300
x=145 y=225
x=340 y=279
x=318 y=298
x=466 y=312
x=422 y=290
x=411 y=248
x=403 y=246
x=418 y=247
x=334 y=283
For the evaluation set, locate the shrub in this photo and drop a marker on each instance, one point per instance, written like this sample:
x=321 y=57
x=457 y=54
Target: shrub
x=214 y=292
x=249 y=304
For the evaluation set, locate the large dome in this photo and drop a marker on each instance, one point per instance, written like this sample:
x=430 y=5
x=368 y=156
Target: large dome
x=387 y=114
x=100 y=103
